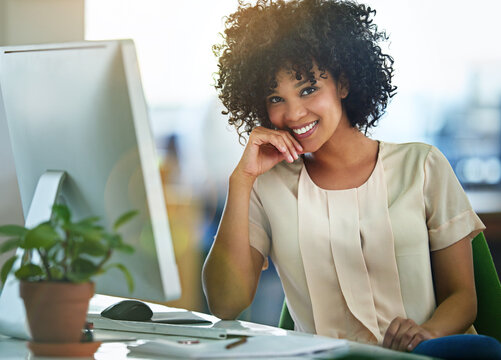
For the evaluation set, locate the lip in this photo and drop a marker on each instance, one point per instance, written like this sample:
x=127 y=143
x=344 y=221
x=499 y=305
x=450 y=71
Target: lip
x=306 y=134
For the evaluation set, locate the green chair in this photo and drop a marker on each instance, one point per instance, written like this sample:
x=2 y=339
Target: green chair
x=488 y=320
x=488 y=288
x=285 y=321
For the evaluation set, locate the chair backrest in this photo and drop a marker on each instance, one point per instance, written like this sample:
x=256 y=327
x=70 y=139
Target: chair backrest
x=285 y=321
x=488 y=288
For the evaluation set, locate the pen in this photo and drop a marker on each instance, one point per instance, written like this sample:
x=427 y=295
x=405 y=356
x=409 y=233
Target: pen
x=236 y=343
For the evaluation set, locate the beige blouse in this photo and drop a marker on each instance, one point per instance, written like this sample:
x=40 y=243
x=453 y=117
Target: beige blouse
x=352 y=260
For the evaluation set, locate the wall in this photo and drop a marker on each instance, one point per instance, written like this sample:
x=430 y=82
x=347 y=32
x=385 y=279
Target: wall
x=41 y=21
x=30 y=22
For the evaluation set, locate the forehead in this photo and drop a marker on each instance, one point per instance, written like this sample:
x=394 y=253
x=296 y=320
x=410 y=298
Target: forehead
x=289 y=79
x=289 y=76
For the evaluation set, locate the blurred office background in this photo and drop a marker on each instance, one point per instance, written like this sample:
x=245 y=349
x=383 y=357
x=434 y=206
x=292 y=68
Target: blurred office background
x=448 y=73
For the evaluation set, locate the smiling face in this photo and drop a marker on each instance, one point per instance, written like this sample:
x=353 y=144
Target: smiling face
x=311 y=112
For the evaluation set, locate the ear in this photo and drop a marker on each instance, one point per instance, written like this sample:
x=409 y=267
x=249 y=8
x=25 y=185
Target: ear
x=343 y=86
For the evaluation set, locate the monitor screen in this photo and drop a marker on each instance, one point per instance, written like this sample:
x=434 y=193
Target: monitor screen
x=80 y=108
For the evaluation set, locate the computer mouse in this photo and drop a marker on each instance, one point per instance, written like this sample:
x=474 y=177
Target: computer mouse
x=132 y=310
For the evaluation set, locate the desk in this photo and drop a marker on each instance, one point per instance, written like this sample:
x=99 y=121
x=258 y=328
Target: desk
x=115 y=343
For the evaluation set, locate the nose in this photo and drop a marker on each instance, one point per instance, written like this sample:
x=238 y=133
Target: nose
x=295 y=111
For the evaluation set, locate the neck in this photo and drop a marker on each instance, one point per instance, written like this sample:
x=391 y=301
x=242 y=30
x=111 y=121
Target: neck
x=346 y=148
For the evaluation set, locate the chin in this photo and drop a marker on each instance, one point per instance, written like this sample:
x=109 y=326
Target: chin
x=310 y=149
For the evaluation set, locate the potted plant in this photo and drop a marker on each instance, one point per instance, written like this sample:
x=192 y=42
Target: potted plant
x=61 y=257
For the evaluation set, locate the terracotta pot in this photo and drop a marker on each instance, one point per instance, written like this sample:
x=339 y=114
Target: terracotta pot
x=56 y=310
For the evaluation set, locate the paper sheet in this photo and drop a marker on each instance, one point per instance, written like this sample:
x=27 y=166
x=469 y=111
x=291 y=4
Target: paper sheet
x=258 y=346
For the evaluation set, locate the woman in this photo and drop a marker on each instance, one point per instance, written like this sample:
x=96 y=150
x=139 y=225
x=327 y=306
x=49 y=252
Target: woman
x=349 y=222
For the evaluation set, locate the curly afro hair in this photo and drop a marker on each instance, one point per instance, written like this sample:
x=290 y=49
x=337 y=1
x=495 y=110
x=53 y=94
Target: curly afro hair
x=338 y=36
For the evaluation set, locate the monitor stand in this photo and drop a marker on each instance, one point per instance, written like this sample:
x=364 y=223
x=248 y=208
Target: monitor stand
x=13 y=322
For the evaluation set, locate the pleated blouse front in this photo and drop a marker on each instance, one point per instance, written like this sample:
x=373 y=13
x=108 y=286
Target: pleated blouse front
x=352 y=260
x=338 y=249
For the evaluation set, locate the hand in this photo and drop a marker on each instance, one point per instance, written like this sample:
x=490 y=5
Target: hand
x=266 y=148
x=404 y=335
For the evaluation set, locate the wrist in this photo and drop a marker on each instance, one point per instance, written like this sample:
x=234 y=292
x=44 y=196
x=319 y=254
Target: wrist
x=432 y=330
x=240 y=178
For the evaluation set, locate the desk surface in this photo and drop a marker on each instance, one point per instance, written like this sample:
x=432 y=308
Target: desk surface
x=115 y=342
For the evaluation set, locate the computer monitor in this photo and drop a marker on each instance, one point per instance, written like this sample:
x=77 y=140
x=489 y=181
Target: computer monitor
x=79 y=108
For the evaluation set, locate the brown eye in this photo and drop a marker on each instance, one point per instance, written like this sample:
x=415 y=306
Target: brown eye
x=308 y=90
x=274 y=99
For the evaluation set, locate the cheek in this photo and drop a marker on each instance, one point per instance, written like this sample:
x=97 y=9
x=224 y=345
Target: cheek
x=275 y=117
x=328 y=105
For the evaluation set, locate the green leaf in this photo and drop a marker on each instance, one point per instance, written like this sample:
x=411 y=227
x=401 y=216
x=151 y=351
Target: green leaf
x=61 y=212
x=82 y=270
x=89 y=221
x=10 y=244
x=28 y=271
x=85 y=230
x=91 y=247
x=13 y=230
x=6 y=268
x=41 y=237
x=56 y=273
x=83 y=266
x=124 y=218
x=93 y=235
x=113 y=240
x=125 y=248
x=125 y=272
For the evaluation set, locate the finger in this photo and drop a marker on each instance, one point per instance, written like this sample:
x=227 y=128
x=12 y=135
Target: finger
x=278 y=138
x=296 y=143
x=407 y=337
x=416 y=340
x=261 y=136
x=403 y=335
x=391 y=332
x=297 y=148
x=280 y=143
x=290 y=144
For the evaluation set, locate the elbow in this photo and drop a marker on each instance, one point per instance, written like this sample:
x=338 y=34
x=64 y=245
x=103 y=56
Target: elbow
x=227 y=307
x=227 y=293
x=224 y=305
x=226 y=299
x=226 y=312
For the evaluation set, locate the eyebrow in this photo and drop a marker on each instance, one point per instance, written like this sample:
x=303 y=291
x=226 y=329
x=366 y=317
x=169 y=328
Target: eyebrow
x=301 y=83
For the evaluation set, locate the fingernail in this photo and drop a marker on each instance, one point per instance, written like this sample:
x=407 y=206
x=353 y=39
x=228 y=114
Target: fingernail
x=295 y=155
x=290 y=158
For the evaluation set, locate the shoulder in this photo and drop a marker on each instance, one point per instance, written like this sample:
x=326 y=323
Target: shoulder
x=404 y=166
x=415 y=153
x=409 y=156
x=412 y=150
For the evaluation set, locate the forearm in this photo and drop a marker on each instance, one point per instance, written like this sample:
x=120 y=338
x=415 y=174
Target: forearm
x=454 y=289
x=454 y=315
x=229 y=276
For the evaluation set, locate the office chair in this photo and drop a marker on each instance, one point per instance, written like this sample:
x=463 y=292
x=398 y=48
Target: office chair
x=488 y=289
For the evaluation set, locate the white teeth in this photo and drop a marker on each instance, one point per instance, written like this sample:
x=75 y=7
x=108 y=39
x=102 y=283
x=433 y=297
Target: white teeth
x=305 y=129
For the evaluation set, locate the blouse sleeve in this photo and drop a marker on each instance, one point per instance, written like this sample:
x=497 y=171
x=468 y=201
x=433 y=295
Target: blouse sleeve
x=449 y=215
x=259 y=226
